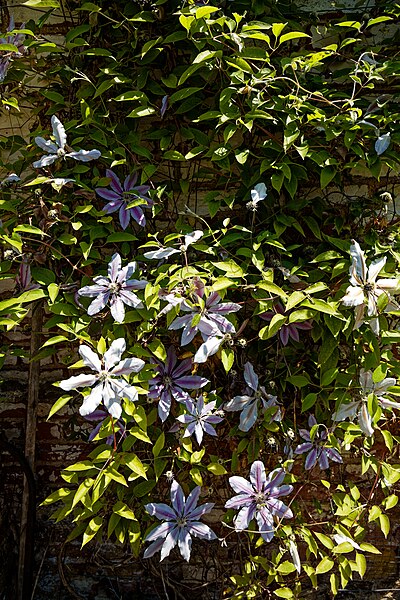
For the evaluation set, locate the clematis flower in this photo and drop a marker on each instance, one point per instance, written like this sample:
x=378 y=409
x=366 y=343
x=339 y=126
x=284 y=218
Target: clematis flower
x=359 y=408
x=166 y=252
x=207 y=317
x=109 y=386
x=248 y=404
x=257 y=194
x=200 y=418
x=365 y=289
x=181 y=521
x=116 y=289
x=288 y=330
x=259 y=499
x=170 y=381
x=120 y=197
x=99 y=416
x=59 y=149
x=17 y=41
x=24 y=277
x=316 y=448
x=11 y=179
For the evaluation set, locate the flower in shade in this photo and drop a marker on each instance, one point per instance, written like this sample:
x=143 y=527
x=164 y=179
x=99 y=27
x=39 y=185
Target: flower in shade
x=116 y=289
x=24 y=277
x=59 y=149
x=99 y=416
x=207 y=316
x=316 y=448
x=17 y=41
x=248 y=403
x=108 y=385
x=165 y=251
x=199 y=418
x=359 y=408
x=288 y=330
x=257 y=194
x=181 y=521
x=365 y=289
x=170 y=380
x=121 y=197
x=259 y=499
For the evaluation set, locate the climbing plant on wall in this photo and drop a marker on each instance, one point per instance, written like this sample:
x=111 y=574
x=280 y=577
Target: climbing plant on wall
x=206 y=209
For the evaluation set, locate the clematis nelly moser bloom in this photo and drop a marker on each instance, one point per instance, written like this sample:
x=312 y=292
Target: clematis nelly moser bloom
x=59 y=149
x=116 y=288
x=248 y=404
x=170 y=380
x=120 y=196
x=206 y=315
x=316 y=448
x=259 y=499
x=166 y=251
x=181 y=521
x=288 y=330
x=359 y=408
x=257 y=195
x=200 y=418
x=108 y=385
x=365 y=289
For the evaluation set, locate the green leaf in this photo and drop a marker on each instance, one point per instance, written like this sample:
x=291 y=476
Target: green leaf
x=361 y=563
x=57 y=339
x=308 y=402
x=42 y=3
x=173 y=155
x=228 y=358
x=159 y=445
x=327 y=174
x=140 y=112
x=82 y=492
x=284 y=592
x=185 y=93
x=384 y=523
x=298 y=380
x=366 y=547
x=121 y=509
x=325 y=565
x=53 y=290
x=216 y=469
x=285 y=568
x=205 y=11
x=30 y=228
x=275 y=324
x=231 y=268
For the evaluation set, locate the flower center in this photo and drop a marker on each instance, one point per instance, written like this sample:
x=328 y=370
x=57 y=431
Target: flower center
x=181 y=522
x=167 y=380
x=128 y=196
x=103 y=376
x=258 y=394
x=61 y=152
x=369 y=287
x=260 y=499
x=114 y=287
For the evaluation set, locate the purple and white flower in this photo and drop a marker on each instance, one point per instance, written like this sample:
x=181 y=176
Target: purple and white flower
x=116 y=289
x=365 y=289
x=24 y=277
x=11 y=179
x=170 y=381
x=257 y=194
x=207 y=317
x=259 y=499
x=108 y=385
x=316 y=448
x=288 y=330
x=200 y=418
x=181 y=521
x=248 y=403
x=59 y=149
x=127 y=198
x=17 y=41
x=359 y=408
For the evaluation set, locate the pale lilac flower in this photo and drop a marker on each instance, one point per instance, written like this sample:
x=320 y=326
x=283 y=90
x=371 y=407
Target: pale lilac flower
x=10 y=180
x=116 y=288
x=109 y=386
x=120 y=197
x=181 y=521
x=359 y=408
x=59 y=149
x=170 y=381
x=17 y=41
x=164 y=106
x=288 y=330
x=200 y=418
x=365 y=289
x=316 y=448
x=165 y=252
x=257 y=194
x=207 y=317
x=248 y=403
x=24 y=277
x=99 y=416
x=259 y=499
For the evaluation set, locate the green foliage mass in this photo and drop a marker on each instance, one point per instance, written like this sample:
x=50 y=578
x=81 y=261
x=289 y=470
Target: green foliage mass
x=203 y=102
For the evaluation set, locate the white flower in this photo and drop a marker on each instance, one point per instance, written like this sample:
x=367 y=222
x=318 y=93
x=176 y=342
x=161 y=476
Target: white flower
x=59 y=149
x=166 y=252
x=109 y=387
x=366 y=289
x=257 y=194
x=359 y=408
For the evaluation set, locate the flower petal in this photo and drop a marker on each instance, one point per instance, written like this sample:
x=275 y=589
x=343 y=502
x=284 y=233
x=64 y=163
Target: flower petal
x=257 y=475
x=113 y=355
x=250 y=376
x=59 y=132
x=90 y=358
x=77 y=381
x=241 y=485
x=91 y=402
